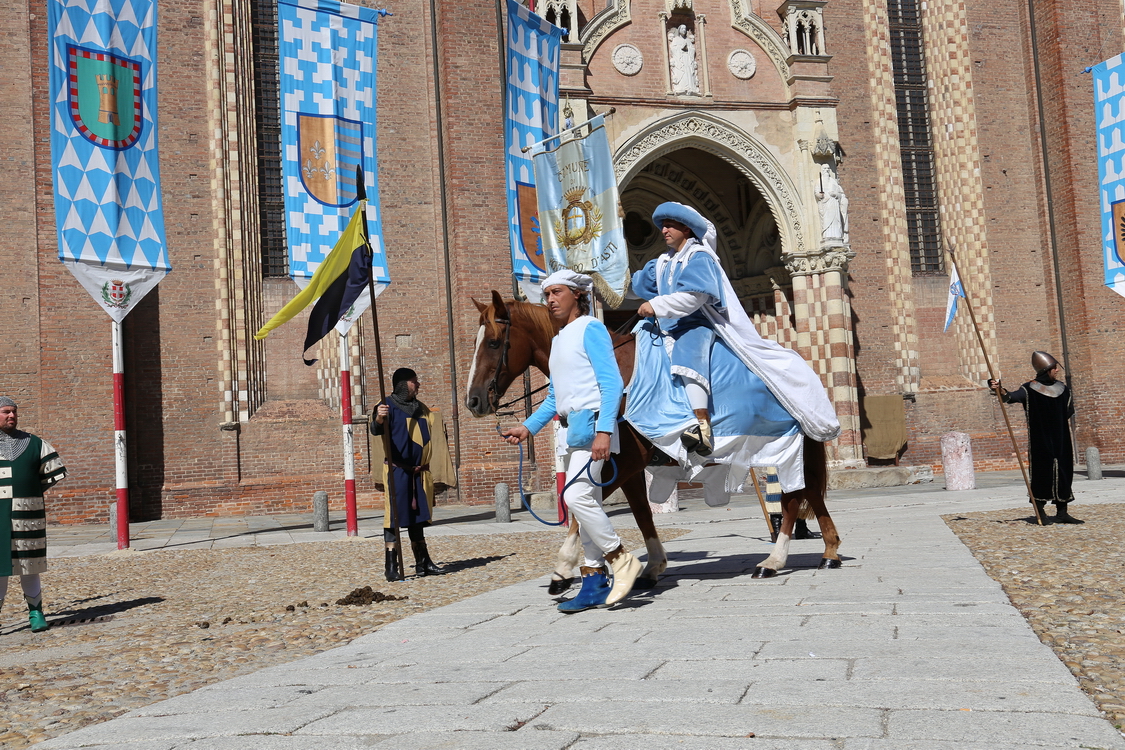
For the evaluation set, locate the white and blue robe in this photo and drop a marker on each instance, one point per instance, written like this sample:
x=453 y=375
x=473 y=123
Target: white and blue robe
x=763 y=397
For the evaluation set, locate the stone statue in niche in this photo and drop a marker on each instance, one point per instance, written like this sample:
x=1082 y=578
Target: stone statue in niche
x=833 y=206
x=682 y=61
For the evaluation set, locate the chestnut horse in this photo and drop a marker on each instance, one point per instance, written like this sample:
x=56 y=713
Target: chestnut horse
x=514 y=336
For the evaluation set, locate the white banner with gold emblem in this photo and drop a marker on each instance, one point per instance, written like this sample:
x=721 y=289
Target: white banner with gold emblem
x=579 y=210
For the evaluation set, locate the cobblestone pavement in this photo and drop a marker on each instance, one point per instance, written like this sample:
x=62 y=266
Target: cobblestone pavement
x=132 y=629
x=1068 y=581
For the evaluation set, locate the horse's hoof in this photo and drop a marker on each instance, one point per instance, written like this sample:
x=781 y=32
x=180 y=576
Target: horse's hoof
x=827 y=563
x=761 y=572
x=559 y=585
x=644 y=584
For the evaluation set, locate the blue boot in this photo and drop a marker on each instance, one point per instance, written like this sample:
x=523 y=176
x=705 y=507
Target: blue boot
x=595 y=589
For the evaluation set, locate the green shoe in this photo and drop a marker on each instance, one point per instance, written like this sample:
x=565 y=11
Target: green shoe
x=38 y=621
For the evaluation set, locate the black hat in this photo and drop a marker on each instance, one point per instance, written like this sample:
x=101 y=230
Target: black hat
x=402 y=374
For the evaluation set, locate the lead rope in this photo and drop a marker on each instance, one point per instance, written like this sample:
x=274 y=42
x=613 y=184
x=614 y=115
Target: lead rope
x=566 y=511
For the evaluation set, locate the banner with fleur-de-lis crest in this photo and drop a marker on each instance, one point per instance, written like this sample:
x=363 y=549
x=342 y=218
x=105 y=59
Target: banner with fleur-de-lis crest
x=105 y=160
x=328 y=52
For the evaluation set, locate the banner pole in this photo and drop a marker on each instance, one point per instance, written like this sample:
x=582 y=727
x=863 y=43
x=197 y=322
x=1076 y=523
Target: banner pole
x=761 y=501
x=992 y=375
x=389 y=484
x=120 y=455
x=349 y=435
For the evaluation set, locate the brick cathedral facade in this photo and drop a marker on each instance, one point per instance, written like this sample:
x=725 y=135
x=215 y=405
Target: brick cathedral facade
x=967 y=124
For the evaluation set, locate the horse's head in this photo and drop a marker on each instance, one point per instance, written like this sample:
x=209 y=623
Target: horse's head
x=512 y=337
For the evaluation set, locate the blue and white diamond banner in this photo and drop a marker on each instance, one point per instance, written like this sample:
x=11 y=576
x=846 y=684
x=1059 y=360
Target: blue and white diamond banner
x=105 y=160
x=1109 y=114
x=328 y=52
x=532 y=115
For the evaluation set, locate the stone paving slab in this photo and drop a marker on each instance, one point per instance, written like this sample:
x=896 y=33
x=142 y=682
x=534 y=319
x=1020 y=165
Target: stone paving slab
x=909 y=647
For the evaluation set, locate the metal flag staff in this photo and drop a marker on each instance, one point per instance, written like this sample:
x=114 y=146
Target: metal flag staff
x=389 y=485
x=999 y=397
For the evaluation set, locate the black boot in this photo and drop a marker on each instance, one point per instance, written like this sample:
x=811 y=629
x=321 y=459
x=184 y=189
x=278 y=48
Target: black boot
x=775 y=524
x=423 y=565
x=1041 y=507
x=391 y=571
x=1062 y=516
x=801 y=530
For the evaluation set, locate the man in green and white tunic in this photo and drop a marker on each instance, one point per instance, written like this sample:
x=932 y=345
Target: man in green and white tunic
x=28 y=465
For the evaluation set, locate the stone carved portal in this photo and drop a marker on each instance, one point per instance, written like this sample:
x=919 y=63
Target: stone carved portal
x=749 y=245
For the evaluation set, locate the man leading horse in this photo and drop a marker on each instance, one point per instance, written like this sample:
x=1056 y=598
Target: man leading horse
x=585 y=392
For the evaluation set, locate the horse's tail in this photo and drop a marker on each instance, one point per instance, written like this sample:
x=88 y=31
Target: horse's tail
x=816 y=469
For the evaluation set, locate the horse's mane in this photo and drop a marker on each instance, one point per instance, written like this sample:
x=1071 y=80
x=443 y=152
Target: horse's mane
x=534 y=318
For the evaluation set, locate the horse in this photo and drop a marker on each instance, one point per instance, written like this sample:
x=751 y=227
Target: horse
x=514 y=336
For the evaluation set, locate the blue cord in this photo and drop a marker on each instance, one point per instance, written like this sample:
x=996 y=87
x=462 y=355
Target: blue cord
x=566 y=513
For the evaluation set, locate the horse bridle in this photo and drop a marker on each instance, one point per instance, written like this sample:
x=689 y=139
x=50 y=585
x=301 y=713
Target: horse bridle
x=493 y=386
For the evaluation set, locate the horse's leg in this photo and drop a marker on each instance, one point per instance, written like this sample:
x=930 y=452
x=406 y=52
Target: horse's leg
x=831 y=559
x=816 y=490
x=637 y=495
x=569 y=557
x=790 y=502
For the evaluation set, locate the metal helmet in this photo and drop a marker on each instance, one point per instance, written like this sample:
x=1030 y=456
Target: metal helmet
x=1042 y=362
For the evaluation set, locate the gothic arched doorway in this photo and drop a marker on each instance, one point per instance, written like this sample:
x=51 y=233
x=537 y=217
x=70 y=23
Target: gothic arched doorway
x=749 y=243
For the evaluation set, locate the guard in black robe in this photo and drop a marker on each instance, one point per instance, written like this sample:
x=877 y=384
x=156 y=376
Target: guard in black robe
x=1048 y=404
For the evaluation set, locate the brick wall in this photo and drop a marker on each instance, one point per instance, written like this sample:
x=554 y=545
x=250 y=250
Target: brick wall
x=182 y=463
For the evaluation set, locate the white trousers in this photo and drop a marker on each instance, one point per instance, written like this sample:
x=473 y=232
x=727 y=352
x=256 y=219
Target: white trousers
x=584 y=498
x=31 y=585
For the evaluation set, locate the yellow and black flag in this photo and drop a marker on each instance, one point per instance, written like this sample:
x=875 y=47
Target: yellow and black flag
x=337 y=284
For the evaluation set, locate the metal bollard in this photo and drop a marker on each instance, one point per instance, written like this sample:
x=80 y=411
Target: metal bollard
x=1093 y=463
x=320 y=511
x=503 y=508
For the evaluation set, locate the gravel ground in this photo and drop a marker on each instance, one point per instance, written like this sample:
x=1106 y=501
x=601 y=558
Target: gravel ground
x=1068 y=581
x=131 y=630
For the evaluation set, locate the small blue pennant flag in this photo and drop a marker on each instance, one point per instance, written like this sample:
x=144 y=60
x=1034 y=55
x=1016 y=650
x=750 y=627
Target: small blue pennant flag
x=955 y=290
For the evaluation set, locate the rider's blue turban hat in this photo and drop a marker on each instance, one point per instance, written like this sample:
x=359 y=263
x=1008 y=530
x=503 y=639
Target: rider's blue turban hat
x=686 y=215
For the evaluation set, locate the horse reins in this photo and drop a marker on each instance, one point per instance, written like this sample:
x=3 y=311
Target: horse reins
x=562 y=503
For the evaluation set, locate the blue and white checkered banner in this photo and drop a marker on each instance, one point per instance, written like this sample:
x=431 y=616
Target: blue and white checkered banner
x=1109 y=113
x=579 y=209
x=104 y=155
x=532 y=115
x=328 y=52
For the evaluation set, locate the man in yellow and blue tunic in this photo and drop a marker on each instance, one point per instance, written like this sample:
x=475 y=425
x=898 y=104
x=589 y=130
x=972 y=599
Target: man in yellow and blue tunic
x=28 y=466
x=419 y=459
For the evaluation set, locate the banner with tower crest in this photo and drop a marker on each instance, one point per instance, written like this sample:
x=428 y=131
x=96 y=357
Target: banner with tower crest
x=105 y=160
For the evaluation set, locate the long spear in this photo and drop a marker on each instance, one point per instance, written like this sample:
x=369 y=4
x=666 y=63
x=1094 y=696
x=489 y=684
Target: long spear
x=389 y=484
x=992 y=376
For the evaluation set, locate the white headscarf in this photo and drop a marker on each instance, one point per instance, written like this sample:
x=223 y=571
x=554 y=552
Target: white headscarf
x=566 y=277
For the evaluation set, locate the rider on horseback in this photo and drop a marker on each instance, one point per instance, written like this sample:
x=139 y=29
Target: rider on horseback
x=677 y=285
x=712 y=343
